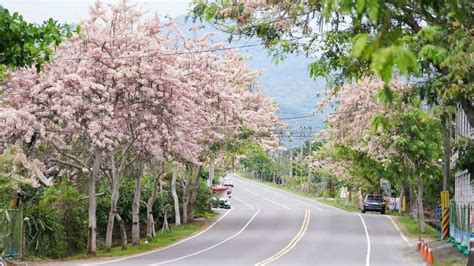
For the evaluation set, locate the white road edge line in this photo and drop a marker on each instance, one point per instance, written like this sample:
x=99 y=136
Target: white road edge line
x=251 y=192
x=276 y=203
x=286 y=193
x=211 y=247
x=367 y=258
x=167 y=247
x=246 y=204
x=398 y=229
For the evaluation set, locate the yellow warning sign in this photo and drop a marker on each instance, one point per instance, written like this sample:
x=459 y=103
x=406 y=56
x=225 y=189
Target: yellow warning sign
x=444 y=199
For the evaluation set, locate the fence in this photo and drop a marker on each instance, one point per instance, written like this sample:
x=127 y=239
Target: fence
x=460 y=229
x=11 y=233
x=438 y=216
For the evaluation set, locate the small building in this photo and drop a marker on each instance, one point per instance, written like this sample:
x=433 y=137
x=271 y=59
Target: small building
x=460 y=217
x=464 y=128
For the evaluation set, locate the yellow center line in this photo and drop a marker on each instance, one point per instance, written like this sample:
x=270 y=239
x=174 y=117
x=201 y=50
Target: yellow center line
x=292 y=243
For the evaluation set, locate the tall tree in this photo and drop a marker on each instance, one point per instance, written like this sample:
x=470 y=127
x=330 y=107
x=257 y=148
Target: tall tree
x=24 y=44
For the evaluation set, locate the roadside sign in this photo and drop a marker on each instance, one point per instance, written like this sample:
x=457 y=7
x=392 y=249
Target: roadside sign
x=444 y=199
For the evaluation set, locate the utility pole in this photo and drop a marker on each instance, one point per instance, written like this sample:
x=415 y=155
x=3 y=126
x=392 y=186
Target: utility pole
x=310 y=148
x=446 y=119
x=291 y=163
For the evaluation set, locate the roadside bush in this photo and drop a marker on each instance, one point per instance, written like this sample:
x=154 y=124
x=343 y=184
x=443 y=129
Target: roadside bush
x=71 y=207
x=301 y=183
x=57 y=221
x=203 y=206
x=43 y=230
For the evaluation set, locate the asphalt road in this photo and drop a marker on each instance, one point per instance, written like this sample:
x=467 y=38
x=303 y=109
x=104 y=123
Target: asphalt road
x=267 y=226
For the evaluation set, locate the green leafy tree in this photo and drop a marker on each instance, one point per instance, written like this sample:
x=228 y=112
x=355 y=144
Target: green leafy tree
x=24 y=44
x=428 y=39
x=414 y=141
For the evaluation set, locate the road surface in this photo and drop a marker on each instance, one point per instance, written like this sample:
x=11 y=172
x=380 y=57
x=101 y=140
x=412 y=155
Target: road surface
x=267 y=226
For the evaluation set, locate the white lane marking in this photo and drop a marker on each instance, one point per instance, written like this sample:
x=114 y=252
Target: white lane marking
x=286 y=193
x=276 y=203
x=367 y=258
x=167 y=247
x=246 y=204
x=211 y=247
x=398 y=229
x=251 y=192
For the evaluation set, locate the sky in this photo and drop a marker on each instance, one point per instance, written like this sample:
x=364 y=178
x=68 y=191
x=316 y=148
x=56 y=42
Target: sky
x=76 y=10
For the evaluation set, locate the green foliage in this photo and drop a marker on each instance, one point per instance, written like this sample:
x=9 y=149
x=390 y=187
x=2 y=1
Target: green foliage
x=428 y=39
x=465 y=161
x=24 y=44
x=303 y=184
x=43 y=230
x=203 y=208
x=257 y=160
x=6 y=184
x=57 y=221
x=71 y=207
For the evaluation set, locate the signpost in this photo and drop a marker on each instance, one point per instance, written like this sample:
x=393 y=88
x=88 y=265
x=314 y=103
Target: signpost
x=445 y=215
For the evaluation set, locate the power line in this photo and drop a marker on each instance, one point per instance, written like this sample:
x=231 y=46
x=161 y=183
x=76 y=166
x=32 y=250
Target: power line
x=159 y=54
x=333 y=113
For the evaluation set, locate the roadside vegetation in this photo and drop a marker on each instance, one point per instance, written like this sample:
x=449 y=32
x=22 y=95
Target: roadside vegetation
x=120 y=136
x=395 y=72
x=117 y=140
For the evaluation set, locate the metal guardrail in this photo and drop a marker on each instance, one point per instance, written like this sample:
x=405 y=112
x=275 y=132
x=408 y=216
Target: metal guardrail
x=460 y=226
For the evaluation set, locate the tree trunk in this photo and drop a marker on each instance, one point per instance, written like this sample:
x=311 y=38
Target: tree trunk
x=136 y=212
x=185 y=208
x=194 y=192
x=166 y=226
x=185 y=200
x=92 y=223
x=211 y=171
x=175 y=198
x=113 y=205
x=112 y=213
x=123 y=233
x=413 y=205
x=421 y=212
x=402 y=193
x=150 y=221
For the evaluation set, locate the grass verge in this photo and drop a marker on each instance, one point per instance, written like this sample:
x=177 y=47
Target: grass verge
x=159 y=241
x=412 y=228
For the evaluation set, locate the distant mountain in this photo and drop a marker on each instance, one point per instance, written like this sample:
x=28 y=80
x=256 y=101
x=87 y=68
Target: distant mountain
x=288 y=83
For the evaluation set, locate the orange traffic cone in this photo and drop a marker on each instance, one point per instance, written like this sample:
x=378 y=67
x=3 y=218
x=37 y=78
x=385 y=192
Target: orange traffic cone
x=422 y=247
x=418 y=246
x=429 y=257
x=425 y=251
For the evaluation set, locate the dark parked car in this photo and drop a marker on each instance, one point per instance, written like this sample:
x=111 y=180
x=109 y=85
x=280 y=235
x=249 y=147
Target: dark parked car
x=374 y=203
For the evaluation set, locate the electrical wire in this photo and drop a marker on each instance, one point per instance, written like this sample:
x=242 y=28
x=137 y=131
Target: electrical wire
x=159 y=54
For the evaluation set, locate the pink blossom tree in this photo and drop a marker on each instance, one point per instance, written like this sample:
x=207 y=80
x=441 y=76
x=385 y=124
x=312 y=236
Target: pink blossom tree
x=127 y=89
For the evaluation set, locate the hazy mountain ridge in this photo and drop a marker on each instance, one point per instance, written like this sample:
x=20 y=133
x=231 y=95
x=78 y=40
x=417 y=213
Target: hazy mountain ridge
x=287 y=82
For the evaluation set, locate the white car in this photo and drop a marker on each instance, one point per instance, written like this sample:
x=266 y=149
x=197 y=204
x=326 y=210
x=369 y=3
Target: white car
x=228 y=182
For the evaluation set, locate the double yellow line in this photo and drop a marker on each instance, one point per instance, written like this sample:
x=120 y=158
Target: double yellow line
x=292 y=243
